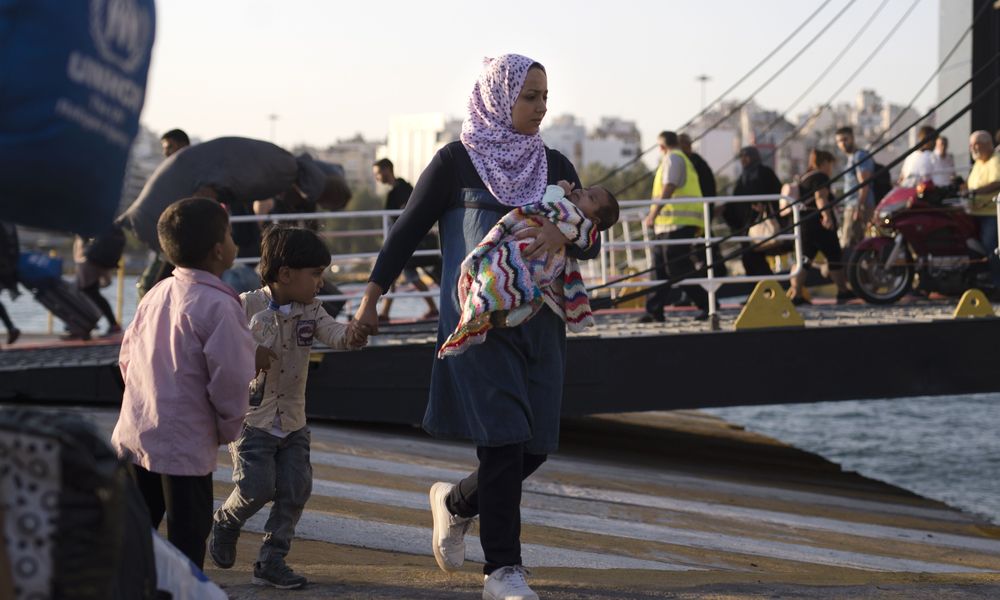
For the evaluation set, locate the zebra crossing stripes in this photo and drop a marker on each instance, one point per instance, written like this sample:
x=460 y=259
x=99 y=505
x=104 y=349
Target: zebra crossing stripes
x=683 y=534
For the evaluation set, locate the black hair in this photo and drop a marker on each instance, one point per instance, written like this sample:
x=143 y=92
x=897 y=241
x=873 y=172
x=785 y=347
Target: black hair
x=752 y=153
x=669 y=138
x=608 y=212
x=292 y=247
x=536 y=65
x=189 y=229
x=384 y=163
x=926 y=134
x=178 y=136
x=845 y=130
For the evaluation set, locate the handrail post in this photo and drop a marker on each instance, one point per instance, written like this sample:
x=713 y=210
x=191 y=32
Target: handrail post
x=798 y=240
x=713 y=316
x=627 y=236
x=645 y=241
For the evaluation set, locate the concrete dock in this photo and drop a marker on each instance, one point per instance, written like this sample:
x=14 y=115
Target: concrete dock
x=652 y=505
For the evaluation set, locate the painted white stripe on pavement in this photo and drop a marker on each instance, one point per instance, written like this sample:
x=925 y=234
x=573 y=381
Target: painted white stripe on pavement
x=378 y=535
x=450 y=451
x=742 y=514
x=596 y=525
x=756 y=515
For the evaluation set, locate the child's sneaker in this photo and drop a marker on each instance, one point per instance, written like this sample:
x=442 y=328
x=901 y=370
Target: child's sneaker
x=449 y=530
x=222 y=548
x=508 y=583
x=277 y=574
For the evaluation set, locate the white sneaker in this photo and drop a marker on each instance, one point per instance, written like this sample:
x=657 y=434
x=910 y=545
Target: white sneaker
x=508 y=583
x=448 y=543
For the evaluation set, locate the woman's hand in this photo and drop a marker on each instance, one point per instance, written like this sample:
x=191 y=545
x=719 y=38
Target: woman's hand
x=357 y=335
x=566 y=186
x=367 y=315
x=548 y=240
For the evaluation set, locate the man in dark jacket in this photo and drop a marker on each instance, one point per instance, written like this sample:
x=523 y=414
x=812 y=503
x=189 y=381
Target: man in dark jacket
x=756 y=179
x=399 y=194
x=706 y=180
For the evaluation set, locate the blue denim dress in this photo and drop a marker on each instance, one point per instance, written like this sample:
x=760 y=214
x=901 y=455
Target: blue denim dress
x=508 y=389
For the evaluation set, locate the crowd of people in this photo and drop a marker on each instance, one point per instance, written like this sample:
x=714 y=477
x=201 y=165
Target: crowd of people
x=507 y=208
x=500 y=385
x=835 y=213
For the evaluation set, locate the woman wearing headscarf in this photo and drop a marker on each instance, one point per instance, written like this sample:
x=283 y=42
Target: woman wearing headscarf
x=756 y=179
x=504 y=394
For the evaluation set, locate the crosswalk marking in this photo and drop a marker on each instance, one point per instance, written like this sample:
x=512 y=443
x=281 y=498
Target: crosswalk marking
x=599 y=526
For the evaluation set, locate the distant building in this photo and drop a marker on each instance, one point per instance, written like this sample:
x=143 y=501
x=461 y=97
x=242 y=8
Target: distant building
x=722 y=131
x=566 y=135
x=719 y=147
x=413 y=140
x=750 y=125
x=612 y=143
x=954 y=19
x=356 y=155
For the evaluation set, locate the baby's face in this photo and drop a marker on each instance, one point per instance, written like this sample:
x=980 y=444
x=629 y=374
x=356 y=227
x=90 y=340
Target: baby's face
x=589 y=200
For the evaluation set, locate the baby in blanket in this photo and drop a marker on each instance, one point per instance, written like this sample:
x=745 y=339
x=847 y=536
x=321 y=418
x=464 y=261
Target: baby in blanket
x=497 y=287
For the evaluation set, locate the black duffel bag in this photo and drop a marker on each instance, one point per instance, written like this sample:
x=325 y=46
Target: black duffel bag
x=105 y=250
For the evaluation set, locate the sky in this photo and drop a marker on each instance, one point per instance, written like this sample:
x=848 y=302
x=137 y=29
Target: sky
x=330 y=70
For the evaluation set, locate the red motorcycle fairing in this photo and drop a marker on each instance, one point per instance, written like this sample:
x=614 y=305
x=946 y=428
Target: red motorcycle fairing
x=874 y=243
x=938 y=231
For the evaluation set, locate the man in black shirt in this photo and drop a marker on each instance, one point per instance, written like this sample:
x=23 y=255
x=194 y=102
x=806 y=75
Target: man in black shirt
x=706 y=181
x=399 y=194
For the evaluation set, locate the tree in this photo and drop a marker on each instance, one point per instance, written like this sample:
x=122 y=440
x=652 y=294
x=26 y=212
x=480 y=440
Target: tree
x=362 y=199
x=632 y=183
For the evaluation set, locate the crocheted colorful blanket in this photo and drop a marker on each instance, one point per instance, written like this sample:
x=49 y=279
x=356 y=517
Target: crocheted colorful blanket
x=497 y=287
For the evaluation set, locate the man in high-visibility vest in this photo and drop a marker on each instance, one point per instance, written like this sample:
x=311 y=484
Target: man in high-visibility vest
x=676 y=177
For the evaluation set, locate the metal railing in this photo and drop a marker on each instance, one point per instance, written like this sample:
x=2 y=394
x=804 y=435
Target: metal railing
x=387 y=218
x=636 y=210
x=600 y=270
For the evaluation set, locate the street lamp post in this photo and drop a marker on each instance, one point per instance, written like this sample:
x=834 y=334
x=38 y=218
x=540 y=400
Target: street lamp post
x=273 y=118
x=702 y=79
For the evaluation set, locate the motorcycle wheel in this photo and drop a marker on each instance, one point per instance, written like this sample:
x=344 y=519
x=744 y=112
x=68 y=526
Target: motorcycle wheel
x=873 y=282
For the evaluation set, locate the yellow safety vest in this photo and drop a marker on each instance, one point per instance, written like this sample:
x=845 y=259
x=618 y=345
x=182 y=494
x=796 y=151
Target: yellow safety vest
x=685 y=213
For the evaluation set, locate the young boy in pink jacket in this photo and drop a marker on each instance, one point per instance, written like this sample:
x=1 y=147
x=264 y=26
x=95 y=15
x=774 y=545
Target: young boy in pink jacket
x=187 y=359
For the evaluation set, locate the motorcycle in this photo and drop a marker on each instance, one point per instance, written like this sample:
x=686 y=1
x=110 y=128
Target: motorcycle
x=925 y=233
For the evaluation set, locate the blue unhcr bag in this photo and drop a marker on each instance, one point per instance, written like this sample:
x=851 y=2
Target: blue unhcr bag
x=72 y=85
x=37 y=270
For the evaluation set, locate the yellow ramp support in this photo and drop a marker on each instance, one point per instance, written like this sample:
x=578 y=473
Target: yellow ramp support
x=768 y=307
x=639 y=302
x=973 y=304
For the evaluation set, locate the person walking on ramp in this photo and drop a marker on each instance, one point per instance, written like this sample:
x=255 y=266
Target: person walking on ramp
x=271 y=456
x=504 y=394
x=186 y=359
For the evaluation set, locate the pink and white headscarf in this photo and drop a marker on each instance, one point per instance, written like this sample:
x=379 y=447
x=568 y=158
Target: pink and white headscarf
x=512 y=165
